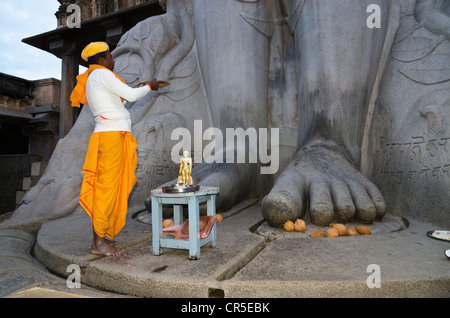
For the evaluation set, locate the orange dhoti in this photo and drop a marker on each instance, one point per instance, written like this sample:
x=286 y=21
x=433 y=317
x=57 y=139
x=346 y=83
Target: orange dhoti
x=109 y=177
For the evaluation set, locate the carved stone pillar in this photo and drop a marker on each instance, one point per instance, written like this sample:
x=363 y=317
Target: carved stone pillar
x=69 y=72
x=114 y=31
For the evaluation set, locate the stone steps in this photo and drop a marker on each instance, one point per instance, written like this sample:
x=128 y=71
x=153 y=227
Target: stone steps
x=37 y=170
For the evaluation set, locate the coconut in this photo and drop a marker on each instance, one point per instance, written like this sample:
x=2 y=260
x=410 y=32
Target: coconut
x=317 y=233
x=300 y=225
x=342 y=230
x=289 y=226
x=332 y=232
x=363 y=230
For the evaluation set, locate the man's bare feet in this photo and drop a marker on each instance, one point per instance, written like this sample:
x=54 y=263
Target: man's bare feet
x=102 y=246
x=110 y=242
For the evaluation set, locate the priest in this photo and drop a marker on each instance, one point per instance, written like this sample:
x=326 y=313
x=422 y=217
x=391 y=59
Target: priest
x=111 y=157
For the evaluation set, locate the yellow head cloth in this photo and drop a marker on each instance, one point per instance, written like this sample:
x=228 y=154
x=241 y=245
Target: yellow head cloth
x=94 y=48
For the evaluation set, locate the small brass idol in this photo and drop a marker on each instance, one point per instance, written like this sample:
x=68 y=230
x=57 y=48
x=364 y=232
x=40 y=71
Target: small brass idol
x=185 y=169
x=185 y=183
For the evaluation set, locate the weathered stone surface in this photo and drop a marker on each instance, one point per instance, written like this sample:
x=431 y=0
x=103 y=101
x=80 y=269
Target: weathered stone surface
x=138 y=272
x=339 y=267
x=18 y=268
x=243 y=264
x=411 y=130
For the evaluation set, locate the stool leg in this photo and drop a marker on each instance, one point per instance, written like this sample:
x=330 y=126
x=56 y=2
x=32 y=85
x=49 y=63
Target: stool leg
x=156 y=225
x=211 y=210
x=177 y=214
x=194 y=228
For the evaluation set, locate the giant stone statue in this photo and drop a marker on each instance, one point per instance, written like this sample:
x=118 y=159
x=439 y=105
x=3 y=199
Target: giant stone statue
x=362 y=111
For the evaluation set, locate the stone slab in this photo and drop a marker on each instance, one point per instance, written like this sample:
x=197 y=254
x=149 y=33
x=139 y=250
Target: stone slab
x=411 y=265
x=18 y=269
x=137 y=271
x=172 y=274
x=68 y=240
x=244 y=264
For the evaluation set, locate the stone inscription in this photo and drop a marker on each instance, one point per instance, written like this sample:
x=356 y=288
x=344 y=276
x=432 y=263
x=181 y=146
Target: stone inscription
x=420 y=159
x=154 y=168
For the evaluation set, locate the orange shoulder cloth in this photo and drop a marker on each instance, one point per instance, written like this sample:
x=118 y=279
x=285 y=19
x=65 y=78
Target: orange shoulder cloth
x=78 y=95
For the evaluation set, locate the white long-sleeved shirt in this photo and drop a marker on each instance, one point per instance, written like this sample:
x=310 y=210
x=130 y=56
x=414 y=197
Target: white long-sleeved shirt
x=103 y=93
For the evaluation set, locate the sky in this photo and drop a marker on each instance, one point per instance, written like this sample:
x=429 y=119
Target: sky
x=20 y=19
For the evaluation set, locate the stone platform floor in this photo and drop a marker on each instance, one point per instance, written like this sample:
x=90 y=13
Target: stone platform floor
x=251 y=260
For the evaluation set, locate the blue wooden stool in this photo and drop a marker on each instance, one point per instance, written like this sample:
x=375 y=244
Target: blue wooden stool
x=193 y=200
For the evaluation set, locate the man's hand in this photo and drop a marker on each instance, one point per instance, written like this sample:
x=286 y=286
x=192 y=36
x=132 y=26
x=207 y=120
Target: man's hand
x=154 y=84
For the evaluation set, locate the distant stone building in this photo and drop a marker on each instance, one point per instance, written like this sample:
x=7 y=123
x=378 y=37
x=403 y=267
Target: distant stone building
x=94 y=8
x=29 y=115
x=34 y=115
x=29 y=122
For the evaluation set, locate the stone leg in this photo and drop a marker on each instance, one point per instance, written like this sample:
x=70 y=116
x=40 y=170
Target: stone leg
x=338 y=57
x=234 y=61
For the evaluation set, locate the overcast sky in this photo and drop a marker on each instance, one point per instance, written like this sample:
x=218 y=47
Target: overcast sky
x=20 y=19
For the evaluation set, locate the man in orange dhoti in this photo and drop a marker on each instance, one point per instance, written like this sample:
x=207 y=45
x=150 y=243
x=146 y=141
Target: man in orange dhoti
x=111 y=158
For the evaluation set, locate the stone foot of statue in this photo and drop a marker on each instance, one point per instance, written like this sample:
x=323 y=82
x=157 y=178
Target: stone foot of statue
x=323 y=179
x=233 y=179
